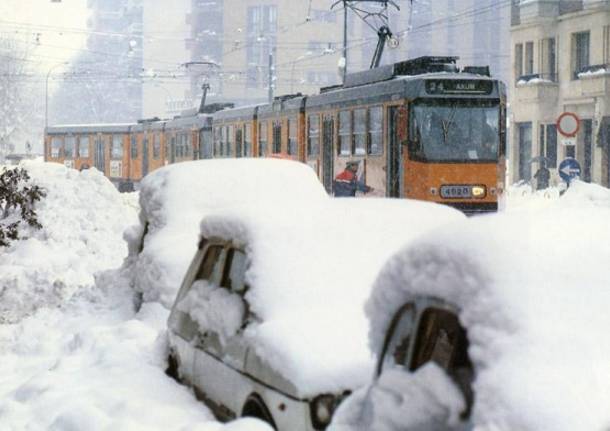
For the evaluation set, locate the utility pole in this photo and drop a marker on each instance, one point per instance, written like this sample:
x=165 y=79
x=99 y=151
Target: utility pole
x=344 y=39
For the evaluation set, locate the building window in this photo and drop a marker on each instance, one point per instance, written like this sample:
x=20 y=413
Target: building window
x=83 y=147
x=529 y=58
x=323 y=15
x=260 y=44
x=69 y=147
x=549 y=56
x=262 y=139
x=313 y=135
x=606 y=46
x=345 y=133
x=292 y=137
x=360 y=132
x=116 y=150
x=580 y=52
x=375 y=131
x=156 y=146
x=588 y=149
x=525 y=151
x=518 y=61
x=551 y=145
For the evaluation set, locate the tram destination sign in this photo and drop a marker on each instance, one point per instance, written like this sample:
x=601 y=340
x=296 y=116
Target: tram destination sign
x=458 y=86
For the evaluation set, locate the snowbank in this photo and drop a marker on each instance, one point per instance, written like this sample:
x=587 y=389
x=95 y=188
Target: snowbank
x=310 y=274
x=83 y=218
x=533 y=294
x=175 y=198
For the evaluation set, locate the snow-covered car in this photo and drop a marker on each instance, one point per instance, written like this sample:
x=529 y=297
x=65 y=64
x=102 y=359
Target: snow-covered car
x=497 y=323
x=173 y=200
x=269 y=319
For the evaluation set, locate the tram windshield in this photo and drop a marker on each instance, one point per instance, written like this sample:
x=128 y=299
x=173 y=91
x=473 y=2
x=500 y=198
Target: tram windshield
x=454 y=130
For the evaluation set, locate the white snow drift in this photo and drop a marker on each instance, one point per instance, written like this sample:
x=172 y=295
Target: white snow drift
x=534 y=297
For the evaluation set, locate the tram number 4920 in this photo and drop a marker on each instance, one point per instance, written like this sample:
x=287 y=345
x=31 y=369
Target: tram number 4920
x=455 y=192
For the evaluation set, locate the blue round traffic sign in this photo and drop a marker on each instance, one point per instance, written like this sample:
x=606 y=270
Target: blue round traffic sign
x=569 y=169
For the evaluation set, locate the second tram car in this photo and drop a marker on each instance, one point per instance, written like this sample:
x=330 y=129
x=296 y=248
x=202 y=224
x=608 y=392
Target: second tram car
x=419 y=129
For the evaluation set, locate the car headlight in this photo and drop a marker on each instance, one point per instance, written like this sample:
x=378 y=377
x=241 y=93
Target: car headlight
x=322 y=408
x=478 y=191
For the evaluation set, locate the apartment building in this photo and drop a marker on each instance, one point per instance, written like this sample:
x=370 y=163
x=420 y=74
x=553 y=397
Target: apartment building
x=561 y=63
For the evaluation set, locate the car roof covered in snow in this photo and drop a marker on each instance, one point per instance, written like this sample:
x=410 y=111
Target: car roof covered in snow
x=310 y=273
x=173 y=200
x=533 y=293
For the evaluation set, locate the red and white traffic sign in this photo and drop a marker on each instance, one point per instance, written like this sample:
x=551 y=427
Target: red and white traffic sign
x=568 y=124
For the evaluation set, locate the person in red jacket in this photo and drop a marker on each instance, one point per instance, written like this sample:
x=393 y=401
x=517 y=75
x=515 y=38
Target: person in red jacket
x=347 y=183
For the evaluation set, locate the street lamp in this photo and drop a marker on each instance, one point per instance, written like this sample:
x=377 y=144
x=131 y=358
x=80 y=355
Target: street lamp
x=46 y=93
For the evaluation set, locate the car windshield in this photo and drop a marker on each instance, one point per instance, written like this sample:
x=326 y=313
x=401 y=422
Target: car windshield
x=455 y=130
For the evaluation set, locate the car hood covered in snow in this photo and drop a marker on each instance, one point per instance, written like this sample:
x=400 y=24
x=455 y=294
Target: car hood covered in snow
x=310 y=273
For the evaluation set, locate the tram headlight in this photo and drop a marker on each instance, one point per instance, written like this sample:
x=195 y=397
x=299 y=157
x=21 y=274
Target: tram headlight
x=478 y=191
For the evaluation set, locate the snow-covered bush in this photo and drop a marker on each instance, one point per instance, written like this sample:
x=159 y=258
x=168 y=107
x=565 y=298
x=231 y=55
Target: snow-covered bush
x=18 y=197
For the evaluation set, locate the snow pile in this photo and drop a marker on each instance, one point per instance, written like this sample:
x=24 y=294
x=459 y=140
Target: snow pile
x=310 y=274
x=83 y=217
x=533 y=294
x=214 y=308
x=520 y=197
x=175 y=198
x=416 y=397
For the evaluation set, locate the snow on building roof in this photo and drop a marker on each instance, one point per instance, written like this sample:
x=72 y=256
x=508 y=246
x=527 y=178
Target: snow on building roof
x=310 y=274
x=534 y=294
x=175 y=198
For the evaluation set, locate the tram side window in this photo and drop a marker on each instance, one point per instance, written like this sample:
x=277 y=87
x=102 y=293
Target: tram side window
x=217 y=141
x=248 y=140
x=116 y=150
x=375 y=127
x=345 y=133
x=69 y=147
x=262 y=139
x=156 y=146
x=313 y=136
x=83 y=147
x=206 y=142
x=133 y=145
x=292 y=137
x=56 y=144
x=189 y=144
x=360 y=132
x=230 y=141
x=277 y=137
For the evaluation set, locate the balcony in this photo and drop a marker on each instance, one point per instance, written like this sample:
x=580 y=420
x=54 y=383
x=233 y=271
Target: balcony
x=536 y=87
x=595 y=80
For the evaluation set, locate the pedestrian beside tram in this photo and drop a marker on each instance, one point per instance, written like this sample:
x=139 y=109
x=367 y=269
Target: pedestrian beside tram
x=347 y=183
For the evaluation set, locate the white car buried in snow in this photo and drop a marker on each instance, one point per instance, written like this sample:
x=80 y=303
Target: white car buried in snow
x=269 y=319
x=175 y=198
x=494 y=324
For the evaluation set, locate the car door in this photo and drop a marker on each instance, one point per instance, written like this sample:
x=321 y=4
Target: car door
x=221 y=350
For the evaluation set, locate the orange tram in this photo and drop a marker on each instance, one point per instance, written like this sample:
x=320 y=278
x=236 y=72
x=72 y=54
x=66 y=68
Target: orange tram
x=420 y=129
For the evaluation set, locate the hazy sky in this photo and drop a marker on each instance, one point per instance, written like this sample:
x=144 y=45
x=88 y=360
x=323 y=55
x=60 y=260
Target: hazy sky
x=56 y=30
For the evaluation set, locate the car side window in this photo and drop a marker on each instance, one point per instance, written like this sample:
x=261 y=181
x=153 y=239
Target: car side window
x=398 y=339
x=442 y=339
x=235 y=271
x=211 y=265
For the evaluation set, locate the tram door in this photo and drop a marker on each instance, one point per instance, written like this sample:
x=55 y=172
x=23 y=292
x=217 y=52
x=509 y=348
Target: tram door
x=328 y=145
x=396 y=121
x=144 y=156
x=99 y=156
